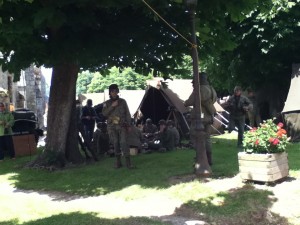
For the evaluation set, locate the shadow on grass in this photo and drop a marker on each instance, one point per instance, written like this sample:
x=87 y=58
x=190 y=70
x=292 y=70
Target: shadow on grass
x=100 y=178
x=246 y=205
x=153 y=171
x=86 y=219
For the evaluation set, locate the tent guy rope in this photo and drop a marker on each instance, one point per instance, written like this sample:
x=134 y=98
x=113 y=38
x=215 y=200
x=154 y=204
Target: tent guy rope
x=156 y=13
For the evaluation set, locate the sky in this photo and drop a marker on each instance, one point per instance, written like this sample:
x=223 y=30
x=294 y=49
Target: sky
x=47 y=72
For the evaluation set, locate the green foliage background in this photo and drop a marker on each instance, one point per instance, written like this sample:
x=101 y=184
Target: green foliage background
x=127 y=79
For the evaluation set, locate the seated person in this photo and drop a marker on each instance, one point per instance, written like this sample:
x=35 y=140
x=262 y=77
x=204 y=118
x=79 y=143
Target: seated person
x=148 y=131
x=100 y=142
x=164 y=139
x=175 y=132
x=135 y=137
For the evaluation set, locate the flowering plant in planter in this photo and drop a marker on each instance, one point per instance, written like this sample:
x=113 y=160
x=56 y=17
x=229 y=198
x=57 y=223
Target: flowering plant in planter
x=267 y=138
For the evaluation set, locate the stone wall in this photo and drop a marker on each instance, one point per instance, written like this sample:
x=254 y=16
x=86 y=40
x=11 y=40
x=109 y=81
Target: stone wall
x=36 y=98
x=6 y=87
x=29 y=92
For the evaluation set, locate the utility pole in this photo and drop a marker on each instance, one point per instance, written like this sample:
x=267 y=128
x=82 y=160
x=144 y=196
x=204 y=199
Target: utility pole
x=201 y=167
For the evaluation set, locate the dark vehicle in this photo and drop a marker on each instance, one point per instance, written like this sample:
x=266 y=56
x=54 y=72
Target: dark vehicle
x=26 y=123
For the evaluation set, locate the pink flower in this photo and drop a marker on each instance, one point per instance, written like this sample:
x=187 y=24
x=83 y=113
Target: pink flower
x=276 y=141
x=280 y=125
x=256 y=142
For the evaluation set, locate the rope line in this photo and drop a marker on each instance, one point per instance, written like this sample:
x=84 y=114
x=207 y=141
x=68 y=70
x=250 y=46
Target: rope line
x=193 y=45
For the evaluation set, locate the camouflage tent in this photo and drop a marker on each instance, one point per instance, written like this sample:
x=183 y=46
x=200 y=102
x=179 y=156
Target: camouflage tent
x=291 y=110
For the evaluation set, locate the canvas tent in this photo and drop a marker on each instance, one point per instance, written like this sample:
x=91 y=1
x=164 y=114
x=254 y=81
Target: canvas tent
x=97 y=98
x=132 y=97
x=164 y=100
x=291 y=110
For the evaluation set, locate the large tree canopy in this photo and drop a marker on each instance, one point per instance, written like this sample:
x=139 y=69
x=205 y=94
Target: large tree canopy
x=101 y=34
x=72 y=35
x=267 y=45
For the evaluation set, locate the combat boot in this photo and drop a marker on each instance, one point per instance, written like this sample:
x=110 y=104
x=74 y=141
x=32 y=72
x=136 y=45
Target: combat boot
x=118 y=163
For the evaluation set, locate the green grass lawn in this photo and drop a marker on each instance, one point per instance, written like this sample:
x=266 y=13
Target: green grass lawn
x=154 y=176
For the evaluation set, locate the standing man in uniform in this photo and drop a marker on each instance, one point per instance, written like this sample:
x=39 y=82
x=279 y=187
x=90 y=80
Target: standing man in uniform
x=238 y=105
x=85 y=145
x=118 y=123
x=208 y=98
x=89 y=120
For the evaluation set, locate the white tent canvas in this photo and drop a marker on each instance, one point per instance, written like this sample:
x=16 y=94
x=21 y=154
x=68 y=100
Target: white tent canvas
x=291 y=110
x=132 y=97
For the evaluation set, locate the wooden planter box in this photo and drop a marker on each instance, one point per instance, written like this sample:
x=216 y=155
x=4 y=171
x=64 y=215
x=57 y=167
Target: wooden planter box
x=263 y=167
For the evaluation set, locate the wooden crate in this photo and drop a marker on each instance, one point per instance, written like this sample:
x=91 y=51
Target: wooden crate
x=263 y=167
x=24 y=144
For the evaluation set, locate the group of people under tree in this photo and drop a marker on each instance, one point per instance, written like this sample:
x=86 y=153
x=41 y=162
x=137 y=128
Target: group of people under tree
x=162 y=139
x=116 y=127
x=120 y=131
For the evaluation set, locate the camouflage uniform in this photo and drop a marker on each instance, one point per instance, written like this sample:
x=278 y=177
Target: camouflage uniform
x=208 y=98
x=174 y=131
x=118 y=119
x=167 y=139
x=135 y=137
x=100 y=142
x=176 y=135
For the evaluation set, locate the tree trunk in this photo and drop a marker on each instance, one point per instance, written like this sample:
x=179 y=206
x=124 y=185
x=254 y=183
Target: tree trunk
x=72 y=150
x=59 y=132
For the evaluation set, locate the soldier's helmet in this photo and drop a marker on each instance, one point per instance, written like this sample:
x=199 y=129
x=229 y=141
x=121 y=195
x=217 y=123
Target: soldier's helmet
x=148 y=121
x=237 y=88
x=170 y=123
x=202 y=78
x=162 y=122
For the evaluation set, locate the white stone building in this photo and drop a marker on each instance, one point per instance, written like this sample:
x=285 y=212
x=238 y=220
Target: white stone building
x=27 y=93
